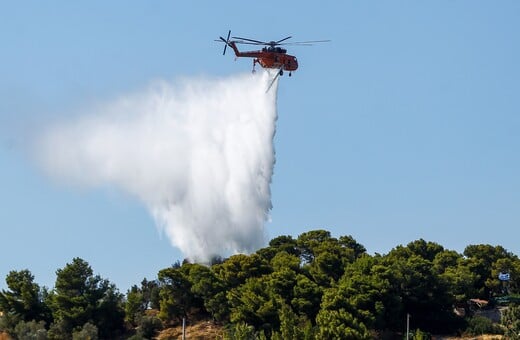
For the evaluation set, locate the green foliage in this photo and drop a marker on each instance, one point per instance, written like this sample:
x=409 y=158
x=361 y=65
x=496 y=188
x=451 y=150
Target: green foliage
x=340 y=324
x=423 y=293
x=325 y=257
x=366 y=291
x=255 y=303
x=425 y=250
x=282 y=282
x=176 y=296
x=306 y=297
x=280 y=244
x=135 y=305
x=313 y=287
x=479 y=325
x=240 y=331
x=309 y=243
x=206 y=286
x=149 y=326
x=87 y=332
x=238 y=268
x=150 y=291
x=139 y=299
x=511 y=322
x=461 y=280
x=481 y=260
x=30 y=330
x=350 y=243
x=292 y=326
x=283 y=260
x=79 y=297
x=58 y=330
x=23 y=301
x=420 y=335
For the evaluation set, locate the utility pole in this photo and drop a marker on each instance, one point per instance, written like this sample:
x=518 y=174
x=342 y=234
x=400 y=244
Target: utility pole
x=183 y=328
x=407 y=326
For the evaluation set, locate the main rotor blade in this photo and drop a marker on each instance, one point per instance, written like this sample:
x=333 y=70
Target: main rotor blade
x=248 y=43
x=293 y=44
x=252 y=40
x=279 y=41
x=306 y=42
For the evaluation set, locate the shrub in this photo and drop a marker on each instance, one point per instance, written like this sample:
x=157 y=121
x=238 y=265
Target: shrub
x=87 y=332
x=30 y=330
x=479 y=325
x=149 y=326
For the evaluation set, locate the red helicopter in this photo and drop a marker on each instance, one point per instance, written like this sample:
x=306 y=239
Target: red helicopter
x=271 y=56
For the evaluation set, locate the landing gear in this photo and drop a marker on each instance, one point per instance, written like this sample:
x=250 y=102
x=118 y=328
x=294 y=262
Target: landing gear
x=290 y=74
x=281 y=72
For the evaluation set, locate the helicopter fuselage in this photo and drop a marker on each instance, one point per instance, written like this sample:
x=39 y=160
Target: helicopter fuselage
x=269 y=57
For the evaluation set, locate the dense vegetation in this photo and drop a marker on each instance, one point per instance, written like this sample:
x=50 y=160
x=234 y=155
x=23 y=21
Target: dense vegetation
x=313 y=287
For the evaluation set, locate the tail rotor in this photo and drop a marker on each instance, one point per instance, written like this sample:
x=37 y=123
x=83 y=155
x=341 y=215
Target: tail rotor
x=226 y=42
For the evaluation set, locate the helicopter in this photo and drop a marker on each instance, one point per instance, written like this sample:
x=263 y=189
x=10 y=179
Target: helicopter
x=271 y=55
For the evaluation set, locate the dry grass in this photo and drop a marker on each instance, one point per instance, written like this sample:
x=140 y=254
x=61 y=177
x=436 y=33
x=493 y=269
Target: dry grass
x=199 y=331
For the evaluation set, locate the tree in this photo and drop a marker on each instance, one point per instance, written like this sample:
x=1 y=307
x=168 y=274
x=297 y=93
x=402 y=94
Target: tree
x=446 y=259
x=284 y=243
x=309 y=242
x=481 y=258
x=285 y=260
x=366 y=292
x=24 y=301
x=139 y=299
x=328 y=264
x=426 y=250
x=461 y=281
x=176 y=294
x=135 y=305
x=238 y=268
x=350 y=243
x=509 y=265
x=256 y=304
x=306 y=297
x=325 y=257
x=424 y=294
x=205 y=285
x=150 y=291
x=291 y=326
x=80 y=297
x=282 y=282
x=340 y=324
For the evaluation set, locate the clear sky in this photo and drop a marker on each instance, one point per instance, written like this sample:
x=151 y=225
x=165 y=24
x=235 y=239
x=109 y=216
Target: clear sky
x=405 y=126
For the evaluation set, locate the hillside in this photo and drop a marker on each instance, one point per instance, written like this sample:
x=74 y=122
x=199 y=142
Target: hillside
x=315 y=286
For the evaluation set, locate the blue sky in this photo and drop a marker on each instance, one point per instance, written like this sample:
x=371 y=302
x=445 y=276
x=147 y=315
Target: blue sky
x=405 y=126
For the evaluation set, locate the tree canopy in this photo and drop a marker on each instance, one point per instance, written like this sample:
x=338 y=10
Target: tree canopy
x=315 y=286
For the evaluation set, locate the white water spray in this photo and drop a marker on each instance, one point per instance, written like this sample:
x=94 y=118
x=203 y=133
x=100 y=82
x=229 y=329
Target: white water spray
x=199 y=155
